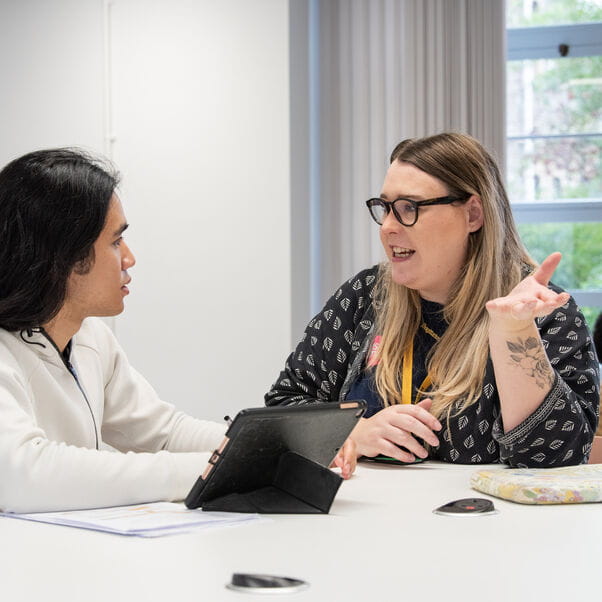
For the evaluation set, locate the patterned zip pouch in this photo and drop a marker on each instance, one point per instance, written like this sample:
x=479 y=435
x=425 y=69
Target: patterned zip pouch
x=566 y=485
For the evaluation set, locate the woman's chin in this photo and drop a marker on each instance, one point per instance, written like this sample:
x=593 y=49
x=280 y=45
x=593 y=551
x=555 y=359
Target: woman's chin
x=401 y=277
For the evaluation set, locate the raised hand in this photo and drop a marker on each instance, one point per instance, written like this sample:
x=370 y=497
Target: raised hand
x=530 y=298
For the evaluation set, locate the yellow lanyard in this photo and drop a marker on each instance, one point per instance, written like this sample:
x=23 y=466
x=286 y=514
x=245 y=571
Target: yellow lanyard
x=406 y=374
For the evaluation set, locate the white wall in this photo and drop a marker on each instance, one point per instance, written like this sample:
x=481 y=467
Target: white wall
x=200 y=97
x=51 y=75
x=199 y=112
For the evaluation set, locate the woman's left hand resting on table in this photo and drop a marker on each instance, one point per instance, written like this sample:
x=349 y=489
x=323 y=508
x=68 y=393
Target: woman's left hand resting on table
x=523 y=373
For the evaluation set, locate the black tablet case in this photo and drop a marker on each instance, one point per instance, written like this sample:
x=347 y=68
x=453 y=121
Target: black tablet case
x=275 y=460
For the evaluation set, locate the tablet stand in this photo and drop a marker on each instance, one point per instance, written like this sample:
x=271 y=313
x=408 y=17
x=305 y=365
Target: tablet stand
x=298 y=486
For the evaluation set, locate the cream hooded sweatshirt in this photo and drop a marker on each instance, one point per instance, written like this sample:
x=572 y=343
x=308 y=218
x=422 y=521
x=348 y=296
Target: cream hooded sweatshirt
x=55 y=415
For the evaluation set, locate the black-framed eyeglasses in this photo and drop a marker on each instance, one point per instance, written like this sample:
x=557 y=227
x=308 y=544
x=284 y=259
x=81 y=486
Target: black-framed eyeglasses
x=405 y=210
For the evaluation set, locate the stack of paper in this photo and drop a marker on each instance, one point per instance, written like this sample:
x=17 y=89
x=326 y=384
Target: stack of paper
x=144 y=520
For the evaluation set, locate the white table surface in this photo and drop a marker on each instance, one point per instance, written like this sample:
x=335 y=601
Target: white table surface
x=381 y=541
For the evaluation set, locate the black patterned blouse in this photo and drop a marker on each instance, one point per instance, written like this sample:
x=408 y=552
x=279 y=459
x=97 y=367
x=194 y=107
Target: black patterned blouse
x=330 y=361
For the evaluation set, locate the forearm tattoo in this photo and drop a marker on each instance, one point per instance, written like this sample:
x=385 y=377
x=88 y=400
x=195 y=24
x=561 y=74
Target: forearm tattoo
x=529 y=355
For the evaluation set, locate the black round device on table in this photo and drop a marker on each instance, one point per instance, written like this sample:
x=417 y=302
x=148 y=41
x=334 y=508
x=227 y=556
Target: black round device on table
x=265 y=584
x=467 y=506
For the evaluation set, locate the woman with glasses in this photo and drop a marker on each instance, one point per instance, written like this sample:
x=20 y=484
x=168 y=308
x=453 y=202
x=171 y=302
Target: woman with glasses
x=459 y=344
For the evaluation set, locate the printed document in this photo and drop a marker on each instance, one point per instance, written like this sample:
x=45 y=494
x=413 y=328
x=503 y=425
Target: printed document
x=144 y=520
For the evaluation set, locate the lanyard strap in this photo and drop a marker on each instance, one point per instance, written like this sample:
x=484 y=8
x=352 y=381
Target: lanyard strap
x=406 y=374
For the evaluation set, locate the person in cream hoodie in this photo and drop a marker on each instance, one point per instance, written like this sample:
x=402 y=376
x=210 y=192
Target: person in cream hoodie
x=66 y=386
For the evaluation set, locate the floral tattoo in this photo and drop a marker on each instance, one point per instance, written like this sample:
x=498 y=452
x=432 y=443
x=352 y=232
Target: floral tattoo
x=528 y=355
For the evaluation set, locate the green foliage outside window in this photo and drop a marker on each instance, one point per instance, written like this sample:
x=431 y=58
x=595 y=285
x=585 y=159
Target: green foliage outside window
x=553 y=12
x=581 y=248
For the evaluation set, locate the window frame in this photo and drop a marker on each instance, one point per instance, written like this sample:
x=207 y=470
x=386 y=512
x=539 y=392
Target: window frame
x=541 y=42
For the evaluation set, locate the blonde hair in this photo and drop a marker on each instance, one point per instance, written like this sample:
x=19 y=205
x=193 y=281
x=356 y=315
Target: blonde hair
x=495 y=262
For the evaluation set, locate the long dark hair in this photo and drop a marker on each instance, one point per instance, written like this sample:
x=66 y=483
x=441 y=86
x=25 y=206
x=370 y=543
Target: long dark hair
x=53 y=206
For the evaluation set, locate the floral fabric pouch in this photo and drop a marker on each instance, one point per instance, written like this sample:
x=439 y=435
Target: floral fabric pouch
x=566 y=485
